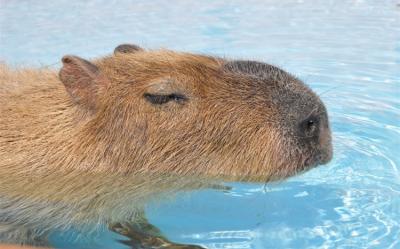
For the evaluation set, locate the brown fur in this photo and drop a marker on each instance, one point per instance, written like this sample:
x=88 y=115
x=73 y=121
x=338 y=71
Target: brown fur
x=90 y=153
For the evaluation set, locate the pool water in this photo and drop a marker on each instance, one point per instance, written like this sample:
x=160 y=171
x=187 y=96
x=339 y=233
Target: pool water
x=347 y=51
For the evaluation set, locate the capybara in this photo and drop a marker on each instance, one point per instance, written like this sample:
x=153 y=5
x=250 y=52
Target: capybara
x=94 y=142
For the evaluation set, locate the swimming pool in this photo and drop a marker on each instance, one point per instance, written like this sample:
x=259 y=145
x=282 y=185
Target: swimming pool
x=347 y=51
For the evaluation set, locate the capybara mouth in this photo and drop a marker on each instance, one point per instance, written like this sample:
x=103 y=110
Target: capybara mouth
x=320 y=159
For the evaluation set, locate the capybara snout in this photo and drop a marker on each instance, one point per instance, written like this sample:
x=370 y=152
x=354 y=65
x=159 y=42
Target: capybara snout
x=295 y=112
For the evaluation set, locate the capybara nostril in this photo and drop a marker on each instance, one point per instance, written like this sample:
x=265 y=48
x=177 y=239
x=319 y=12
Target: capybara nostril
x=310 y=127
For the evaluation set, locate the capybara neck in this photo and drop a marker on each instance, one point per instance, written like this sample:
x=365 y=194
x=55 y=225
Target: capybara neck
x=40 y=129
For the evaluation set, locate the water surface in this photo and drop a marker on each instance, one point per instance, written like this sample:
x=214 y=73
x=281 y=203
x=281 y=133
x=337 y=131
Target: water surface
x=347 y=51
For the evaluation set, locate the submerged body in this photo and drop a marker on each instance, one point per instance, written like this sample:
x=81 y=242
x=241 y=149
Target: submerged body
x=81 y=146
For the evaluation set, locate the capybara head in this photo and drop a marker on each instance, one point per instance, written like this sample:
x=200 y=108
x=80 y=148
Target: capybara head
x=163 y=112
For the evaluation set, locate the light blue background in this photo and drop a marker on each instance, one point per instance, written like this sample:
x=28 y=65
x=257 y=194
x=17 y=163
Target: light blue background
x=347 y=51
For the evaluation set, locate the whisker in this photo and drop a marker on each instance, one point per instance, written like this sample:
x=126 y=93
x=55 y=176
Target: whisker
x=313 y=112
x=327 y=91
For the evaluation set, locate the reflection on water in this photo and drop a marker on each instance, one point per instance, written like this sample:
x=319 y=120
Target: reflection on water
x=348 y=51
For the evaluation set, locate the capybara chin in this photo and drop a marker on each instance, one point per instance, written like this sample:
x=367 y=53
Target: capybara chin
x=85 y=144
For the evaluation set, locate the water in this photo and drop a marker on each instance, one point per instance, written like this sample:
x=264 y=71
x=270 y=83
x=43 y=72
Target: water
x=347 y=51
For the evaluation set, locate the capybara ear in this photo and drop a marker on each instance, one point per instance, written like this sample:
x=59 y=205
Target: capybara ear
x=83 y=80
x=127 y=48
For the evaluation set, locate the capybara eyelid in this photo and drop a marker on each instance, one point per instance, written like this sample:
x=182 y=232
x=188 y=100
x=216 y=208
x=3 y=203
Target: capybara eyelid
x=159 y=99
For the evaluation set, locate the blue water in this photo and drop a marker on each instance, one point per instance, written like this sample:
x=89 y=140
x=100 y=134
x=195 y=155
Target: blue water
x=347 y=51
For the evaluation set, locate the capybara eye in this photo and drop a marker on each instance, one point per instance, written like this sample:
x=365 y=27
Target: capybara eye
x=159 y=99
